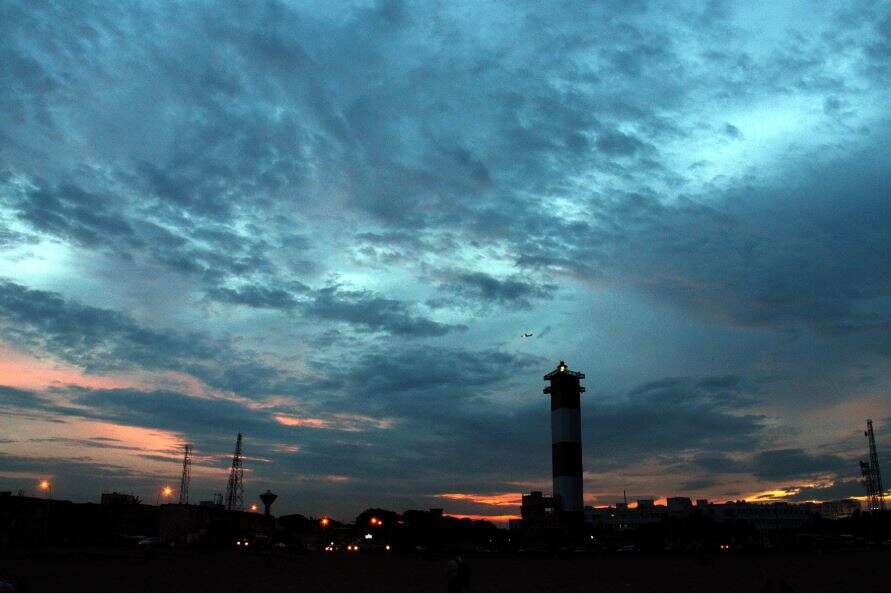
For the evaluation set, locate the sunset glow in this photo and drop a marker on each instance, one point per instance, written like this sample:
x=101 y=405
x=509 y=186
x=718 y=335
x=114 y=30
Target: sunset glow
x=499 y=499
x=497 y=519
x=290 y=421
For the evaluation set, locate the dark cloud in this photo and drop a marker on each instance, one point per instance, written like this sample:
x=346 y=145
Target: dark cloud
x=879 y=49
x=70 y=212
x=91 y=337
x=779 y=465
x=832 y=104
x=95 y=442
x=513 y=292
x=618 y=144
x=9 y=238
x=174 y=411
x=842 y=489
x=672 y=414
x=721 y=464
x=748 y=258
x=698 y=484
x=14 y=395
x=100 y=340
x=84 y=467
x=794 y=463
x=732 y=131
x=254 y=296
x=367 y=312
x=409 y=371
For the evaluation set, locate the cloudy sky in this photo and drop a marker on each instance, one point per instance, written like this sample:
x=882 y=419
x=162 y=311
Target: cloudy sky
x=328 y=225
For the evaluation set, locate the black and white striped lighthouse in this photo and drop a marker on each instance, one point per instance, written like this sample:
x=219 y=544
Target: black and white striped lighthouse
x=566 y=437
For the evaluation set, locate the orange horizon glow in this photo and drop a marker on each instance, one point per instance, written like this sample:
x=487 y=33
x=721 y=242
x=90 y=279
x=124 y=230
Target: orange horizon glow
x=497 y=519
x=495 y=499
x=633 y=504
x=28 y=372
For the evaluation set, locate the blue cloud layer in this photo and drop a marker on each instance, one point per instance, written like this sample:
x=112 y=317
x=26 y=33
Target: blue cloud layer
x=355 y=213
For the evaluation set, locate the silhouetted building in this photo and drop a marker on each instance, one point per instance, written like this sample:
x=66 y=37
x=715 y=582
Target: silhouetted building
x=30 y=520
x=538 y=509
x=116 y=498
x=539 y=524
x=680 y=525
x=621 y=517
x=38 y=521
x=836 y=510
x=198 y=524
x=764 y=516
x=679 y=505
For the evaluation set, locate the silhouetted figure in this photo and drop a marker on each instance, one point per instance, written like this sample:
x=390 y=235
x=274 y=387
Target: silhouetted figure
x=458 y=575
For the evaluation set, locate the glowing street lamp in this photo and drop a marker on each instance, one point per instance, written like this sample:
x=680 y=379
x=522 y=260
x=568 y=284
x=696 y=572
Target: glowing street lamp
x=253 y=507
x=324 y=522
x=46 y=487
x=165 y=492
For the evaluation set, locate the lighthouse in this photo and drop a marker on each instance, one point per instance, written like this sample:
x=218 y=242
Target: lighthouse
x=566 y=438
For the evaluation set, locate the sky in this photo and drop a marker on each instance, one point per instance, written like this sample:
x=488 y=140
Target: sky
x=328 y=226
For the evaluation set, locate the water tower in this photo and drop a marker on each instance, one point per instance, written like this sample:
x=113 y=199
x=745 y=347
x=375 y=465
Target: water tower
x=267 y=498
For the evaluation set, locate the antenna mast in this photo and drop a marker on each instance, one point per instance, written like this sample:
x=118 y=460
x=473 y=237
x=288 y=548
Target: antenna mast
x=187 y=475
x=872 y=475
x=235 y=488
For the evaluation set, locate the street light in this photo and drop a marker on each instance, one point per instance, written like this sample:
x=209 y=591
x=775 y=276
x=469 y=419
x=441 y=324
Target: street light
x=165 y=492
x=46 y=487
x=253 y=507
x=324 y=522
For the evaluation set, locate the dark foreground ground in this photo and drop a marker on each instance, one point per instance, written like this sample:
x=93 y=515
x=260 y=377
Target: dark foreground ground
x=130 y=570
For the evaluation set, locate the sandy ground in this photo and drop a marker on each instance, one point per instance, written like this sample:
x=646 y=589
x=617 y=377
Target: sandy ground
x=129 y=570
